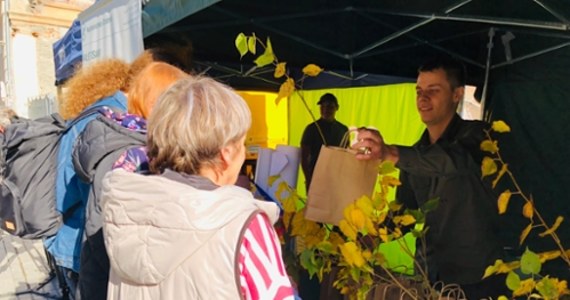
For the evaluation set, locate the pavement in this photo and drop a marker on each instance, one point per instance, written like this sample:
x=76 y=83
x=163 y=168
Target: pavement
x=24 y=270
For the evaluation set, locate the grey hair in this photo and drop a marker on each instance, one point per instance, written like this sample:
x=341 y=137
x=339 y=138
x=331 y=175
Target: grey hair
x=191 y=122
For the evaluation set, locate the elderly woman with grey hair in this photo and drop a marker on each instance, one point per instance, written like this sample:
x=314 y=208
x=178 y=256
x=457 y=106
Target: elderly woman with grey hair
x=186 y=231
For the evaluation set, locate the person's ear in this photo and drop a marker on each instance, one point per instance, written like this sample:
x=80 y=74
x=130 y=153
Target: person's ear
x=458 y=94
x=226 y=155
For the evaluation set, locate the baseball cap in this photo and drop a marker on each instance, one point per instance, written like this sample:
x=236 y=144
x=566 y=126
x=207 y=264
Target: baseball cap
x=328 y=97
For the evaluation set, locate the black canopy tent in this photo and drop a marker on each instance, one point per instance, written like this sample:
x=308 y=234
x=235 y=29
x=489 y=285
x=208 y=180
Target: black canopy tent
x=367 y=37
x=516 y=51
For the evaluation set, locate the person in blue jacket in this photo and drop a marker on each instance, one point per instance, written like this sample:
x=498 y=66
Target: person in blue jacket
x=100 y=84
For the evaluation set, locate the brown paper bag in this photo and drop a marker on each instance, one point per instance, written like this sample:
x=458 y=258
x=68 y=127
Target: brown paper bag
x=338 y=180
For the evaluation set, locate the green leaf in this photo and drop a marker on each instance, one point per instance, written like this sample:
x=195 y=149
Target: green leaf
x=241 y=44
x=418 y=215
x=417 y=233
x=251 y=42
x=308 y=262
x=530 y=262
x=386 y=167
x=299 y=204
x=430 y=205
x=267 y=57
x=326 y=247
x=547 y=288
x=513 y=281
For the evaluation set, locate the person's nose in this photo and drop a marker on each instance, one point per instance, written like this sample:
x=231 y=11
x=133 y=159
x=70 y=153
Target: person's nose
x=422 y=96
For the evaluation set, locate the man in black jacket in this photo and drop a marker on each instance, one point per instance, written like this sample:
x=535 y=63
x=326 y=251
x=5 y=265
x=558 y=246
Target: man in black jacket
x=462 y=238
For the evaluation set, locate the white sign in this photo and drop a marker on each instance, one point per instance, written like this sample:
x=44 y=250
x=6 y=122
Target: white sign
x=111 y=29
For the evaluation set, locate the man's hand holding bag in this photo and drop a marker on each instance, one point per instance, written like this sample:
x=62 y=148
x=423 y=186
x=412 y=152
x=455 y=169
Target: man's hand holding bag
x=338 y=180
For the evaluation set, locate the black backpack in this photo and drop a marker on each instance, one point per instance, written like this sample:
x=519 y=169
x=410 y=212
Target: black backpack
x=27 y=180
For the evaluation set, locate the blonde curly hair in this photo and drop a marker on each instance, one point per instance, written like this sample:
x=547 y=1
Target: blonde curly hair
x=91 y=83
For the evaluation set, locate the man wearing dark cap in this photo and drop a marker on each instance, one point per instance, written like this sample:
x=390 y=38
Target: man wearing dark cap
x=311 y=142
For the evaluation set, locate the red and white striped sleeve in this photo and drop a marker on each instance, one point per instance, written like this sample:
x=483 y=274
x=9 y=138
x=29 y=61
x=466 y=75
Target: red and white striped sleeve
x=261 y=267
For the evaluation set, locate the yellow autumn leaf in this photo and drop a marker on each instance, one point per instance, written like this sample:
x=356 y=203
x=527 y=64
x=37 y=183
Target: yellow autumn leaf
x=383 y=234
x=352 y=254
x=289 y=205
x=397 y=233
x=404 y=220
x=381 y=217
x=303 y=227
x=367 y=254
x=365 y=204
x=503 y=201
x=502 y=172
x=370 y=228
x=508 y=267
x=281 y=187
x=346 y=212
x=312 y=70
x=525 y=233
x=528 y=210
x=286 y=90
x=488 y=166
x=525 y=287
x=500 y=126
x=390 y=181
x=357 y=218
x=490 y=270
x=347 y=229
x=502 y=297
x=555 y=226
x=489 y=146
x=336 y=239
x=562 y=287
x=280 y=70
x=394 y=206
x=312 y=240
x=271 y=180
x=549 y=255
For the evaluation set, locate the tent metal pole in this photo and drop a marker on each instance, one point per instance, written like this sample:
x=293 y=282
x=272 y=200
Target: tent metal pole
x=423 y=42
x=552 y=11
x=487 y=69
x=408 y=29
x=390 y=37
x=524 y=57
x=479 y=19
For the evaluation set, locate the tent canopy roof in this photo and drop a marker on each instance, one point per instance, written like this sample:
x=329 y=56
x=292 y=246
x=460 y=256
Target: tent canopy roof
x=363 y=37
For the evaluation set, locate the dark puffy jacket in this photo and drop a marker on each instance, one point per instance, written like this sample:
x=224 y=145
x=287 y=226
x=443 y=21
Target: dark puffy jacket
x=95 y=152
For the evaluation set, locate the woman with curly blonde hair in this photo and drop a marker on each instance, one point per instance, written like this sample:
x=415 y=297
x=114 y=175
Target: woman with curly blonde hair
x=92 y=83
x=92 y=87
x=101 y=84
